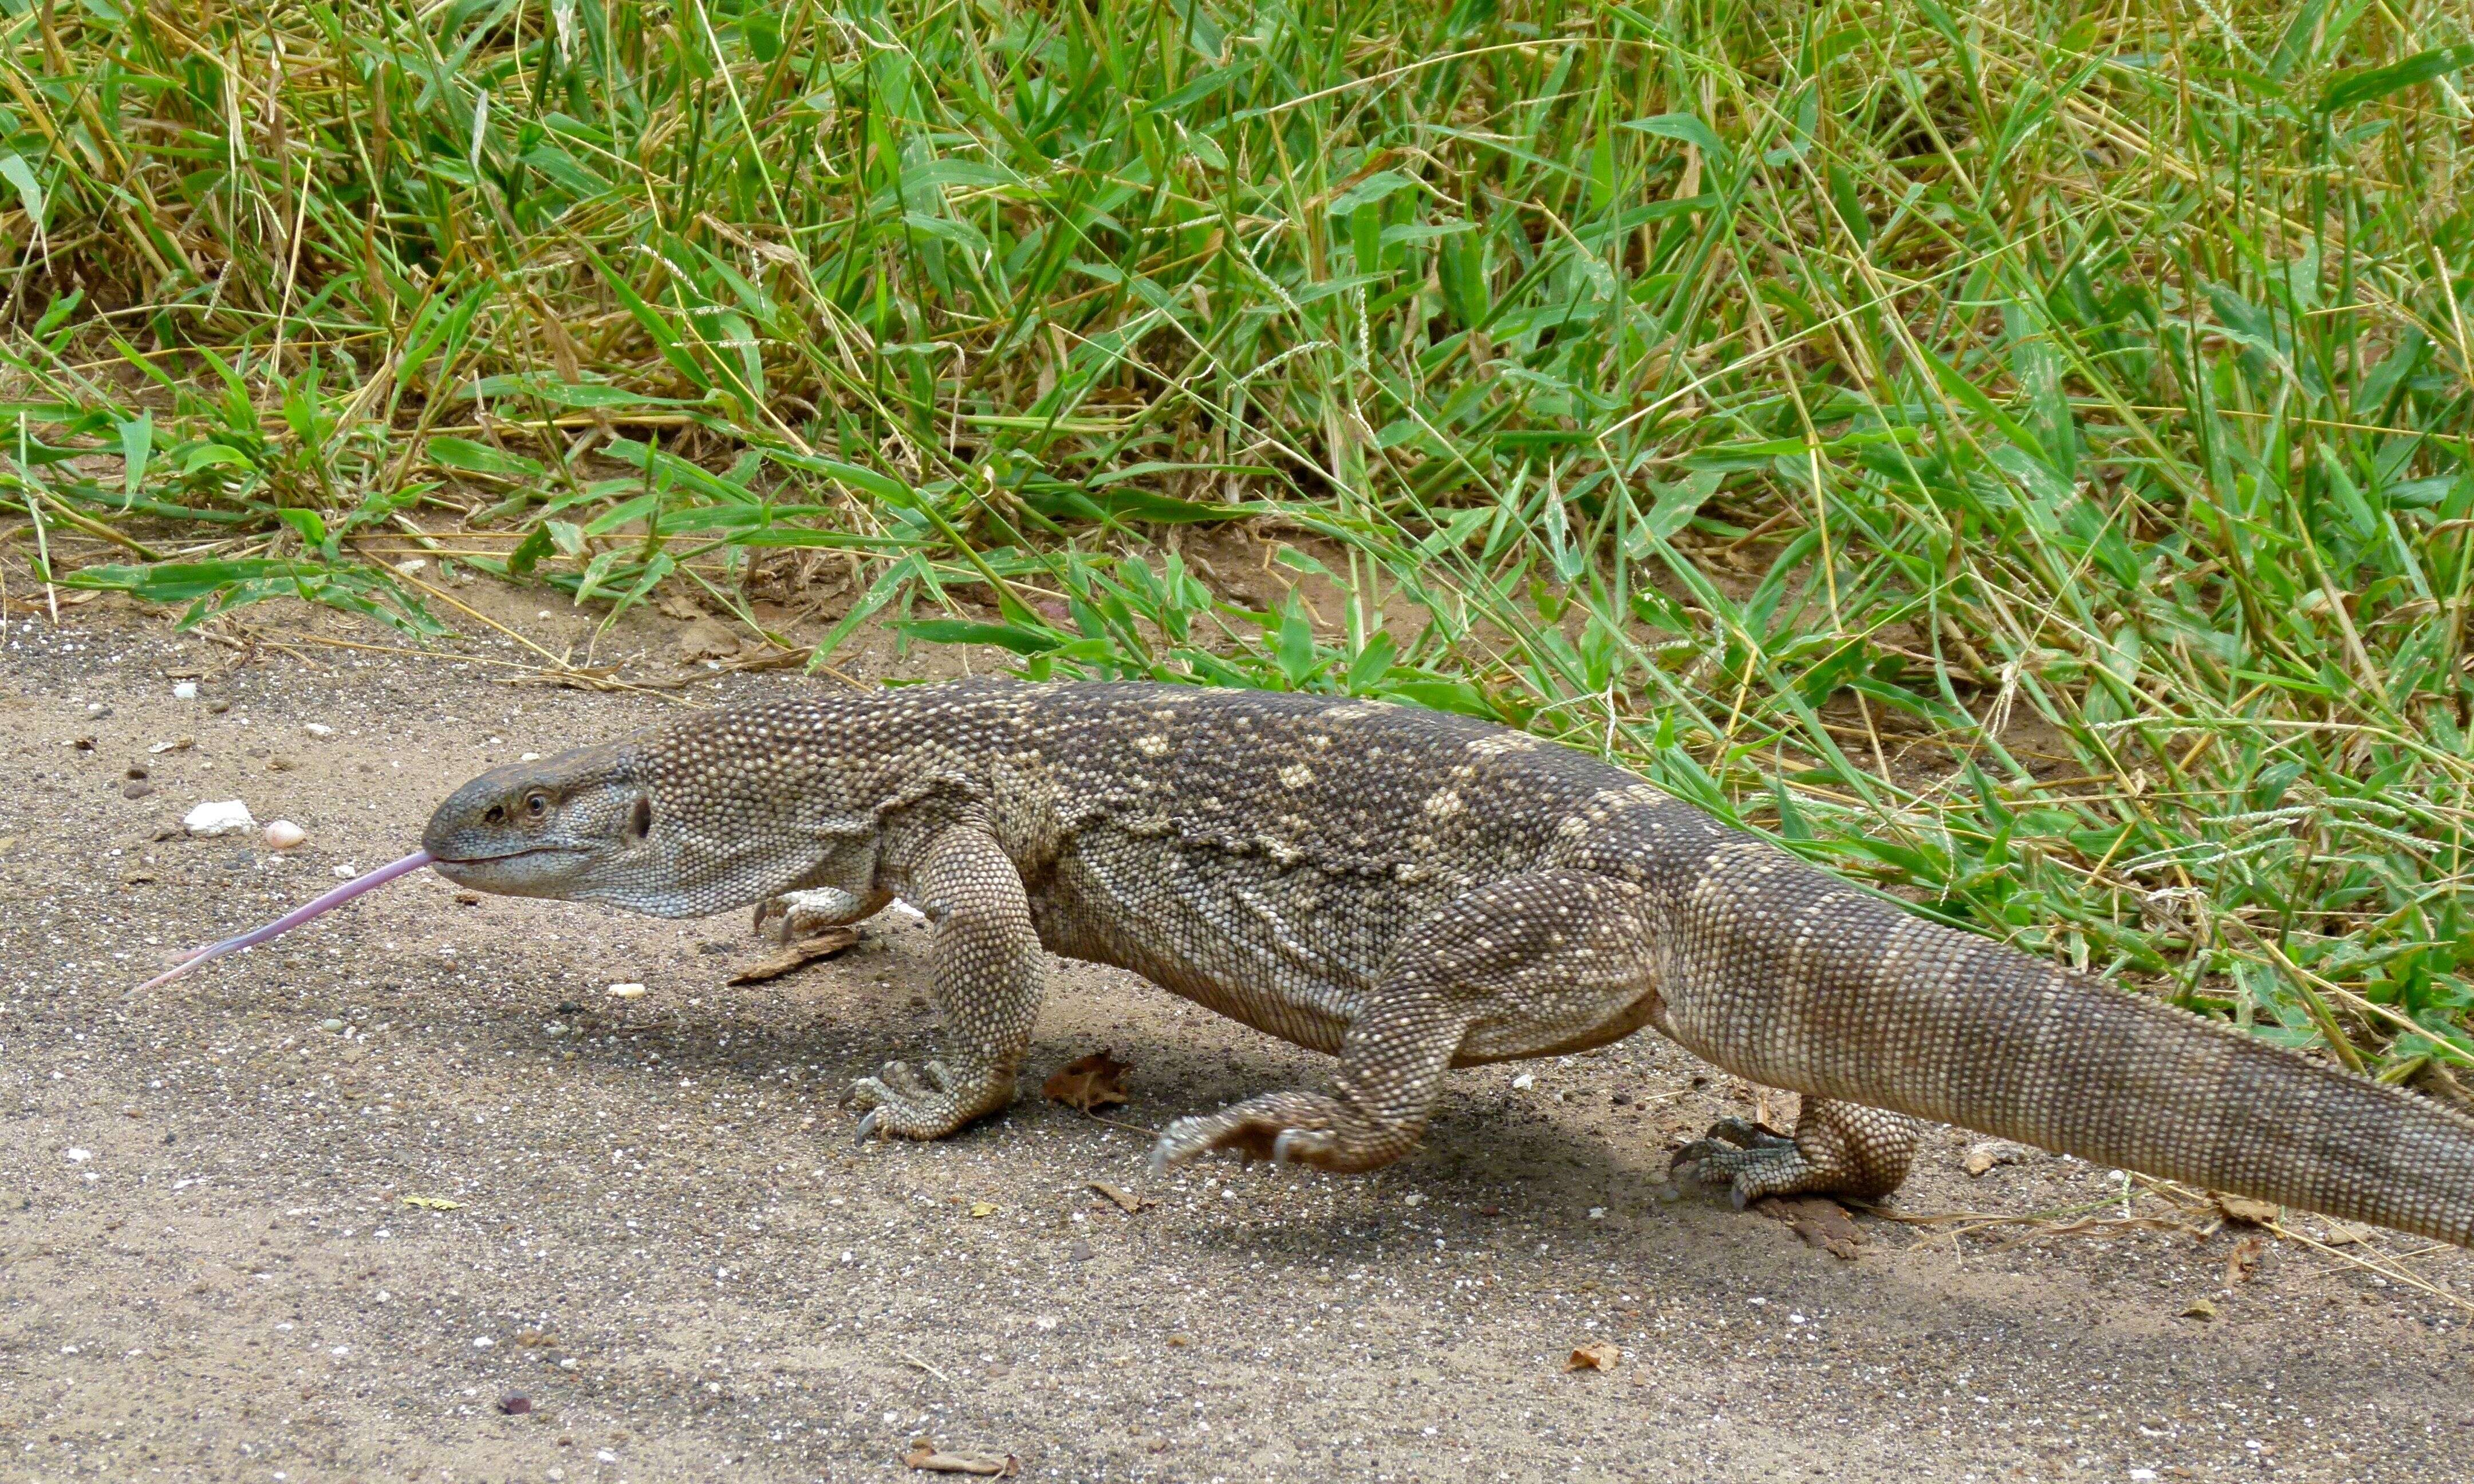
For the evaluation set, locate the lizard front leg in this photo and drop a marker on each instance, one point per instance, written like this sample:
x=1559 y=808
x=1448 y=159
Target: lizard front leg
x=803 y=914
x=1522 y=968
x=986 y=975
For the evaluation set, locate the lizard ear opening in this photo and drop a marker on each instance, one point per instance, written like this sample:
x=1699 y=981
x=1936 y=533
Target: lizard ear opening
x=639 y=821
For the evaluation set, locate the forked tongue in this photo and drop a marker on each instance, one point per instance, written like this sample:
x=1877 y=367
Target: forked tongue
x=294 y=917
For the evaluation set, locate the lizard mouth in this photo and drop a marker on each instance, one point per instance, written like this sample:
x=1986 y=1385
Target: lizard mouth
x=506 y=856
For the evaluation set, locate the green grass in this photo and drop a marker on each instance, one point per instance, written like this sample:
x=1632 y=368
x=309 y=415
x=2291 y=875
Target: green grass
x=2016 y=453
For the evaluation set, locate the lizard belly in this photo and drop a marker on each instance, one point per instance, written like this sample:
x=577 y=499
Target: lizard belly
x=1228 y=934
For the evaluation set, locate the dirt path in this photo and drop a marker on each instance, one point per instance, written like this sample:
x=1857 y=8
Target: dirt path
x=212 y=1265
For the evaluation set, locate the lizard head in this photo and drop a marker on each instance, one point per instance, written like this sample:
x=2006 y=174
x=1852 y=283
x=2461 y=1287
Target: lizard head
x=579 y=827
x=701 y=814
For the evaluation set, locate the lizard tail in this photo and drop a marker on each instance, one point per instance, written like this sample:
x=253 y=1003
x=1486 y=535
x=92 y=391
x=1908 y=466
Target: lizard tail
x=1794 y=979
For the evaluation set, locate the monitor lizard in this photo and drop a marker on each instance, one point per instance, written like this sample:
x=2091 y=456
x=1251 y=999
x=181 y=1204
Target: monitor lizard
x=1413 y=892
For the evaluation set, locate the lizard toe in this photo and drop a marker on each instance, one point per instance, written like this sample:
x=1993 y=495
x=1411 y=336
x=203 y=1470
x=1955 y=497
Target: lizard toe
x=1770 y=1168
x=1745 y=1134
x=900 y=1080
x=1178 y=1142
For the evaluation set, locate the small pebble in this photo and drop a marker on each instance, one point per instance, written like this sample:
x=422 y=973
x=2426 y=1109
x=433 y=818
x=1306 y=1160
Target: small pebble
x=185 y=690
x=1523 y=1083
x=280 y=765
x=318 y=729
x=626 y=992
x=514 y=1406
x=137 y=788
x=330 y=1025
x=283 y=834
x=219 y=705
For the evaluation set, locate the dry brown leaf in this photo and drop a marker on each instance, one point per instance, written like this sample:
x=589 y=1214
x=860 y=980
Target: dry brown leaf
x=1819 y=1221
x=795 y=955
x=925 y=1455
x=2199 y=1308
x=2245 y=1210
x=1982 y=1157
x=1126 y=1201
x=707 y=638
x=1088 y=1082
x=1597 y=1355
x=2244 y=1261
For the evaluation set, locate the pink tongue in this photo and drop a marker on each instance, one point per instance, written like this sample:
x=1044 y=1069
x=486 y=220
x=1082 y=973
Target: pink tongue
x=294 y=917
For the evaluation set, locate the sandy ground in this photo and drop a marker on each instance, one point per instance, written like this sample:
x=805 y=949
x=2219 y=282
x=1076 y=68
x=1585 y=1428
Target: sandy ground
x=662 y=1239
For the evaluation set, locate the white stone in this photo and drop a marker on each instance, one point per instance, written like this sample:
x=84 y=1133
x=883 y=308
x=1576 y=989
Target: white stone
x=184 y=690
x=220 y=818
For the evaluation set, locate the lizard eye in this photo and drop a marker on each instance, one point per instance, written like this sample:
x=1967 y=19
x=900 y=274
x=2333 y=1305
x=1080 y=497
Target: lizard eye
x=537 y=804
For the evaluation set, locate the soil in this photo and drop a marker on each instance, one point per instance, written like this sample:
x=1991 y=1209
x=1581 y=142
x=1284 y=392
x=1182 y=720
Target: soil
x=408 y=1194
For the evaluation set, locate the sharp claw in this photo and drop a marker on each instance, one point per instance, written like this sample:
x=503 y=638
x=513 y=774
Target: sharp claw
x=1281 y=1146
x=869 y=1124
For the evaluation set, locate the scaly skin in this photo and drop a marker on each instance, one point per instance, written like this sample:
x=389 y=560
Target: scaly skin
x=1415 y=892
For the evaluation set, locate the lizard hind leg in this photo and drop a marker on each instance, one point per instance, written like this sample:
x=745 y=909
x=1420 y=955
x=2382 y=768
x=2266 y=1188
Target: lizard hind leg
x=1525 y=966
x=1838 y=1149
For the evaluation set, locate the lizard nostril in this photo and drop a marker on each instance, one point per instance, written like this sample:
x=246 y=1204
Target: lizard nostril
x=493 y=815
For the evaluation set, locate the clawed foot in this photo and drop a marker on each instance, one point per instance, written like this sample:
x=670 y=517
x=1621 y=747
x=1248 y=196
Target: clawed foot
x=1301 y=1128
x=930 y=1103
x=796 y=915
x=1751 y=1160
